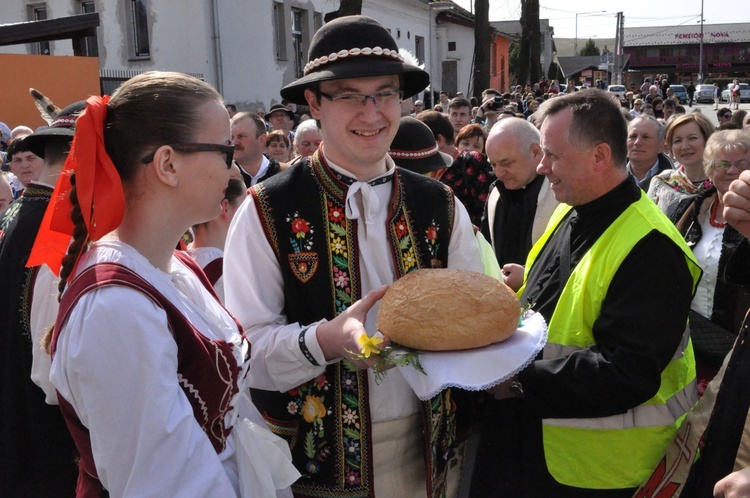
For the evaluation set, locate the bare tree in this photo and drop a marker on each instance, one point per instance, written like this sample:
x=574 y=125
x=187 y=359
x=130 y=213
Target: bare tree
x=346 y=8
x=530 y=69
x=482 y=41
x=535 y=64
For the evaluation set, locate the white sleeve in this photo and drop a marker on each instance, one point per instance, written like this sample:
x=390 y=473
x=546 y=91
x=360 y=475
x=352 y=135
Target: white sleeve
x=463 y=252
x=43 y=314
x=116 y=364
x=254 y=292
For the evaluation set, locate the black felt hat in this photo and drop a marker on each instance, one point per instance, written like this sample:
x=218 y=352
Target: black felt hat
x=61 y=126
x=354 y=47
x=280 y=107
x=414 y=148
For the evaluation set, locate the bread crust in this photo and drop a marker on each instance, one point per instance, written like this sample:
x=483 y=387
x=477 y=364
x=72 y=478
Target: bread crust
x=447 y=310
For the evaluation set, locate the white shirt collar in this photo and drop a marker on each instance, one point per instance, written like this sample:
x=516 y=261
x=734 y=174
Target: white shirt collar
x=650 y=173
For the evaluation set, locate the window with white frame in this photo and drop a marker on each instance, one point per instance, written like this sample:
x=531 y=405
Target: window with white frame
x=139 y=29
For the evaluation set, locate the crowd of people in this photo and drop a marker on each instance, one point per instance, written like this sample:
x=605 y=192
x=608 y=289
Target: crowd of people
x=186 y=288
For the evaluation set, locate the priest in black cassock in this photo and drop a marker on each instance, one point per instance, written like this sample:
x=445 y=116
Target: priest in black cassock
x=520 y=201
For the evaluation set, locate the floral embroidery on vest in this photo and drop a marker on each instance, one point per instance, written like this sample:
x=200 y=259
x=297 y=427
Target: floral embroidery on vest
x=406 y=252
x=308 y=402
x=339 y=249
x=433 y=246
x=303 y=261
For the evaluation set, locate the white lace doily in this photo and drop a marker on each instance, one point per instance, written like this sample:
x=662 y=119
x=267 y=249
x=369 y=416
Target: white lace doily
x=481 y=368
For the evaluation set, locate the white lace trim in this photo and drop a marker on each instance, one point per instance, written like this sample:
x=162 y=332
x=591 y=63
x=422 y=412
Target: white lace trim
x=353 y=52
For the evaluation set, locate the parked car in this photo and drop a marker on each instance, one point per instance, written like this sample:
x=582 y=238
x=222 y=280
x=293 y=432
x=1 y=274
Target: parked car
x=704 y=93
x=680 y=93
x=617 y=89
x=563 y=87
x=744 y=93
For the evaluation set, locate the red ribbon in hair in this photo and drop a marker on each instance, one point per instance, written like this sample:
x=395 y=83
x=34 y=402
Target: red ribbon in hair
x=98 y=187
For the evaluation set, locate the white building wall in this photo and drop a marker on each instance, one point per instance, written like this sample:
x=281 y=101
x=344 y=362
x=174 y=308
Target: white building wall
x=406 y=20
x=179 y=34
x=463 y=55
x=252 y=75
x=240 y=58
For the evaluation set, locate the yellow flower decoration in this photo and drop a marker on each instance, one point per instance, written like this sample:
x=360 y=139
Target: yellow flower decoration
x=409 y=259
x=369 y=345
x=313 y=408
x=337 y=245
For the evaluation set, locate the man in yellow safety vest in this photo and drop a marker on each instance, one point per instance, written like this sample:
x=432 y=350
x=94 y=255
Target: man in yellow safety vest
x=614 y=280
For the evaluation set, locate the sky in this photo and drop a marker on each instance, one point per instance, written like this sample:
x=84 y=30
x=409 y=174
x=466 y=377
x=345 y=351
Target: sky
x=637 y=13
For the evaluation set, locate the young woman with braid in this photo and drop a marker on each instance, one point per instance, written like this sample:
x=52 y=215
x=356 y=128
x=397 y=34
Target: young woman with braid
x=149 y=367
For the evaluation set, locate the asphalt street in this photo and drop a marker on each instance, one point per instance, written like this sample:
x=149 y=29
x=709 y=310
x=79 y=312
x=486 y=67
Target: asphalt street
x=710 y=113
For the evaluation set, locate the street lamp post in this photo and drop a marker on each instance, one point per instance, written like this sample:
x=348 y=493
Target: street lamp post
x=575 y=43
x=434 y=7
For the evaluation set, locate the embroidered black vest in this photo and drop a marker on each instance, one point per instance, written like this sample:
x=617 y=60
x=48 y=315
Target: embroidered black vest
x=327 y=420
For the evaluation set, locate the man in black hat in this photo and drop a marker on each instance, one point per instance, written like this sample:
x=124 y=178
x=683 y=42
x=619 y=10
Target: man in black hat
x=37 y=454
x=414 y=148
x=324 y=239
x=282 y=119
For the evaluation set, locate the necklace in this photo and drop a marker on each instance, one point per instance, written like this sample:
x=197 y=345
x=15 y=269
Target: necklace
x=712 y=218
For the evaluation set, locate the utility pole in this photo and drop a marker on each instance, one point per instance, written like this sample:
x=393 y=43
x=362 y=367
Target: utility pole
x=615 y=75
x=622 y=48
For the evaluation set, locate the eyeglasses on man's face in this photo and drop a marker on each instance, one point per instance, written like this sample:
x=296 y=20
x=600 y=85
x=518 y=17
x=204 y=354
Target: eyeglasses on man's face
x=355 y=100
x=741 y=165
x=190 y=147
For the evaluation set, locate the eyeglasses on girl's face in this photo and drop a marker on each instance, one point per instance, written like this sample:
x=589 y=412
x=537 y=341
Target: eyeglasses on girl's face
x=190 y=147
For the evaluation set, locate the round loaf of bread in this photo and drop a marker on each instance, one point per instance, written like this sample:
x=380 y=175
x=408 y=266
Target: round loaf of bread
x=448 y=310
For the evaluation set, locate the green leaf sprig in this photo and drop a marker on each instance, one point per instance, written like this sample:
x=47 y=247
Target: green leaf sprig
x=393 y=354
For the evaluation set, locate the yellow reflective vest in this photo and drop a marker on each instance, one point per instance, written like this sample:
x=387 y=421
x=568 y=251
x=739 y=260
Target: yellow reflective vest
x=618 y=451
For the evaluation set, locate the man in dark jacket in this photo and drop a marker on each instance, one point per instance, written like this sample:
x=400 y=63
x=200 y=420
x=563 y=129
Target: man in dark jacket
x=645 y=145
